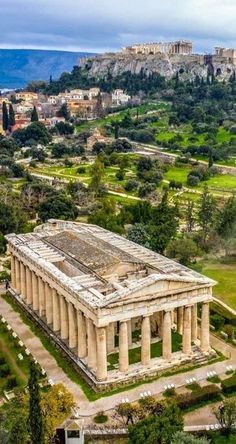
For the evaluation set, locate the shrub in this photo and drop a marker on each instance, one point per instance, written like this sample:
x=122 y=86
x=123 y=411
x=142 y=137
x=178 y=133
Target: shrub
x=229 y=384
x=2 y=360
x=217 y=321
x=81 y=170
x=169 y=392
x=187 y=400
x=100 y=418
x=193 y=181
x=131 y=185
x=4 y=370
x=11 y=383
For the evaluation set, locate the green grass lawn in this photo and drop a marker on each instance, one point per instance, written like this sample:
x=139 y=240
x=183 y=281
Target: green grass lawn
x=9 y=351
x=225 y=275
x=156 y=351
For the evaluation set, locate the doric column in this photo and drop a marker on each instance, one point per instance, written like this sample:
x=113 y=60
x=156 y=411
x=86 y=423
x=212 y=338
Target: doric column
x=64 y=318
x=73 y=331
x=29 y=295
x=42 y=305
x=92 y=345
x=187 y=331
x=35 y=291
x=166 y=338
x=146 y=341
x=23 y=280
x=123 y=347
x=17 y=272
x=13 y=272
x=110 y=337
x=205 y=328
x=180 y=319
x=48 y=297
x=101 y=354
x=56 y=310
x=129 y=326
x=160 y=316
x=194 y=322
x=82 y=339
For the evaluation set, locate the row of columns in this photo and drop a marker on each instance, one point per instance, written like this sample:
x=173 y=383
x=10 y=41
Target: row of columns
x=94 y=343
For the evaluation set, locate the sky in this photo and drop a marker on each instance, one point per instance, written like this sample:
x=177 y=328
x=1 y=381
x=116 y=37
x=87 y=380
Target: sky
x=107 y=25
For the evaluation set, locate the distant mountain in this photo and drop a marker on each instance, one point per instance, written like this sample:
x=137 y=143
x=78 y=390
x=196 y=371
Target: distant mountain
x=20 y=66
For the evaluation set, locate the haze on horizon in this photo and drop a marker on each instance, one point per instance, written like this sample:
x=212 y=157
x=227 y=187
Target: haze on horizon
x=103 y=25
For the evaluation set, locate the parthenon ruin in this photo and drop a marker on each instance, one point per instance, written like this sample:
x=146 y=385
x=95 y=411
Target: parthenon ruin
x=182 y=47
x=102 y=296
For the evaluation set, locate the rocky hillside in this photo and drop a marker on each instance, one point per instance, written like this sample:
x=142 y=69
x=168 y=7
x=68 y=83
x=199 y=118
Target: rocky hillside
x=19 y=66
x=188 y=66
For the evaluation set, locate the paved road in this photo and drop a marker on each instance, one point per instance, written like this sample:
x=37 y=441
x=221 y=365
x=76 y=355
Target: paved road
x=90 y=408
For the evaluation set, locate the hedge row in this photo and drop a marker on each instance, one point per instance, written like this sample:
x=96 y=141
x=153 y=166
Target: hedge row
x=229 y=384
x=209 y=392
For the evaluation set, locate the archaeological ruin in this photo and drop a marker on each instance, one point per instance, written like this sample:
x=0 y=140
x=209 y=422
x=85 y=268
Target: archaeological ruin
x=102 y=298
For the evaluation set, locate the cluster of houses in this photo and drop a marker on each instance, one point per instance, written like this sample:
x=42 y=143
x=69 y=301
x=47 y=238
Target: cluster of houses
x=82 y=104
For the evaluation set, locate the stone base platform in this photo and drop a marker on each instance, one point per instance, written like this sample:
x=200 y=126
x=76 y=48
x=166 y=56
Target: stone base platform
x=137 y=372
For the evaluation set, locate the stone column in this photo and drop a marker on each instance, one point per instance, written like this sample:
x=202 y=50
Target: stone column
x=205 y=328
x=35 y=291
x=167 y=339
x=92 y=345
x=194 y=322
x=17 y=273
x=23 y=280
x=56 y=311
x=48 y=294
x=146 y=341
x=42 y=305
x=180 y=317
x=110 y=337
x=64 y=318
x=123 y=347
x=13 y=272
x=82 y=339
x=73 y=331
x=187 y=331
x=160 y=315
x=101 y=354
x=29 y=295
x=129 y=326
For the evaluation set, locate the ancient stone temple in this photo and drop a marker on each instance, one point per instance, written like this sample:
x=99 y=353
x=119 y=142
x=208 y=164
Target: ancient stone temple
x=120 y=311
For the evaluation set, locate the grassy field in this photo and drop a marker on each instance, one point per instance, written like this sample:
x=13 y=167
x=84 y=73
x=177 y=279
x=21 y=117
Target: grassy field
x=225 y=275
x=9 y=351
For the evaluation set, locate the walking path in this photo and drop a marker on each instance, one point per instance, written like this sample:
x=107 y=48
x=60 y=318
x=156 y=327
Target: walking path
x=87 y=408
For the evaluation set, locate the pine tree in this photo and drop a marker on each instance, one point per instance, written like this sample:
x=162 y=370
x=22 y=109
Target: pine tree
x=34 y=115
x=35 y=413
x=5 y=117
x=12 y=121
x=210 y=160
x=190 y=219
x=64 y=112
x=206 y=214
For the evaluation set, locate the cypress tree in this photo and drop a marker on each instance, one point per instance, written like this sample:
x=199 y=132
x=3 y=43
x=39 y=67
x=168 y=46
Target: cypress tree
x=11 y=116
x=5 y=118
x=35 y=413
x=34 y=115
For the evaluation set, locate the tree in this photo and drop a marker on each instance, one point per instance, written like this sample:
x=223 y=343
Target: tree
x=190 y=218
x=56 y=406
x=64 y=112
x=96 y=173
x=5 y=117
x=187 y=438
x=11 y=121
x=58 y=206
x=35 y=412
x=19 y=432
x=184 y=250
x=157 y=428
x=227 y=219
x=206 y=214
x=226 y=415
x=12 y=218
x=35 y=133
x=106 y=217
x=34 y=115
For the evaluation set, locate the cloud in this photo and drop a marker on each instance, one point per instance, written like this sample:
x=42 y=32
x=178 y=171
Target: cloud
x=99 y=25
